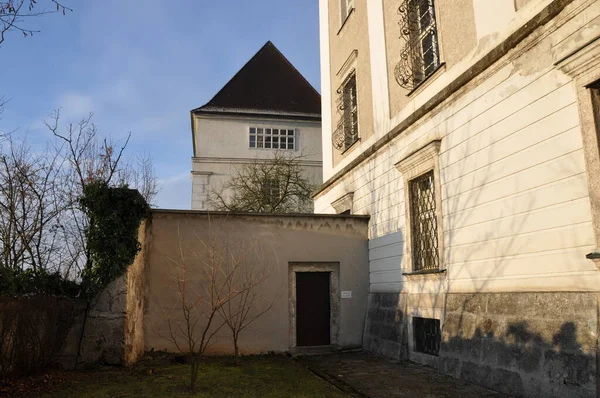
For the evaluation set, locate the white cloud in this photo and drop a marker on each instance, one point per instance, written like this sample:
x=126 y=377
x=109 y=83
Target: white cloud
x=74 y=106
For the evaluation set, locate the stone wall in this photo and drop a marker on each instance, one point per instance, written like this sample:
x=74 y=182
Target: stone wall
x=522 y=344
x=385 y=329
x=104 y=333
x=525 y=344
x=114 y=326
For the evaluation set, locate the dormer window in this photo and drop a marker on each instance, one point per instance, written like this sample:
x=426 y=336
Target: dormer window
x=272 y=138
x=420 y=55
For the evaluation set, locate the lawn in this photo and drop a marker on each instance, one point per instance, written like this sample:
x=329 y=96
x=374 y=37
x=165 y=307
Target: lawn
x=269 y=376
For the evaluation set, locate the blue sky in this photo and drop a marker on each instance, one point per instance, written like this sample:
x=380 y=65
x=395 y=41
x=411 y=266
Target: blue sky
x=141 y=66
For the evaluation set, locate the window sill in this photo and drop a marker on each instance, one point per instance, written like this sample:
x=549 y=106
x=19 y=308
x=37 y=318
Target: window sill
x=351 y=146
x=345 y=20
x=421 y=86
x=425 y=272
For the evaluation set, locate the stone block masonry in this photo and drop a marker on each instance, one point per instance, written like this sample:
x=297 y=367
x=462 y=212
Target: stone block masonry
x=386 y=328
x=541 y=344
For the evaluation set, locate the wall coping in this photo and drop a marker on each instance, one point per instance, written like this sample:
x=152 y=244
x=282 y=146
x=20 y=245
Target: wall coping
x=357 y=217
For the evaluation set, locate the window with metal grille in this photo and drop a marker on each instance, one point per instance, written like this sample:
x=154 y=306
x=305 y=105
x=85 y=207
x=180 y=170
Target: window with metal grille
x=424 y=228
x=419 y=57
x=427 y=335
x=272 y=138
x=346 y=132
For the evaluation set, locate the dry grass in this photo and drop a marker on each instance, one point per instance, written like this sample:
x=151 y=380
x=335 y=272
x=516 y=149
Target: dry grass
x=269 y=376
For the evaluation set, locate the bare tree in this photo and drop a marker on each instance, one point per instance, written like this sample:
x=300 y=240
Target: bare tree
x=252 y=300
x=13 y=14
x=202 y=281
x=31 y=202
x=140 y=174
x=90 y=159
x=277 y=185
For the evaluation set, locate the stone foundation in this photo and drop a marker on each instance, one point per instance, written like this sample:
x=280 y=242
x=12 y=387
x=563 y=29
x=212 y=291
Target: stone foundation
x=522 y=344
x=386 y=328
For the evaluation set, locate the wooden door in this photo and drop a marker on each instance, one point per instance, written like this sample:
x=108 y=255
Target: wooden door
x=313 y=318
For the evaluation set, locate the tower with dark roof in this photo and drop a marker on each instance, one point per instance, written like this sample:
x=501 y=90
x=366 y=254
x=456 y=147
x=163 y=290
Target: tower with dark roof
x=267 y=106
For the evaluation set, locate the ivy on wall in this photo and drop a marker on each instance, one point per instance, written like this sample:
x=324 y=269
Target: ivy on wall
x=112 y=234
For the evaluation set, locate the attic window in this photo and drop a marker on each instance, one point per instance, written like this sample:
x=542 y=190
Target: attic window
x=272 y=138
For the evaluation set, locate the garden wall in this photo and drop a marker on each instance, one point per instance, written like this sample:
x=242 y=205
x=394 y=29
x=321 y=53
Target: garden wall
x=288 y=243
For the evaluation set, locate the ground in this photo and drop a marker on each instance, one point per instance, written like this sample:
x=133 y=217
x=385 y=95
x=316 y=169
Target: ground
x=349 y=374
x=269 y=376
x=364 y=375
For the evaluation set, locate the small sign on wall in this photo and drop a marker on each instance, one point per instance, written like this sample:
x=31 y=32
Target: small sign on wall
x=346 y=294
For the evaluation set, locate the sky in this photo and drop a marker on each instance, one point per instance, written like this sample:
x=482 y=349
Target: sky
x=140 y=66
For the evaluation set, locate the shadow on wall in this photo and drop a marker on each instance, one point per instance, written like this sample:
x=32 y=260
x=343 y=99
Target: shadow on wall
x=536 y=357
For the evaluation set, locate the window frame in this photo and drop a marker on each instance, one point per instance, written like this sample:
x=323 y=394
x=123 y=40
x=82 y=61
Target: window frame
x=350 y=96
x=411 y=72
x=254 y=137
x=415 y=165
x=347 y=107
x=583 y=66
x=423 y=224
x=346 y=7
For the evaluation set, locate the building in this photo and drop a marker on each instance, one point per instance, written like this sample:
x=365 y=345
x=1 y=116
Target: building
x=468 y=131
x=267 y=106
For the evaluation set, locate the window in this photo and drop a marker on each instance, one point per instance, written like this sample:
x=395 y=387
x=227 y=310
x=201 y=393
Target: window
x=272 y=138
x=423 y=203
x=595 y=91
x=420 y=56
x=427 y=335
x=271 y=191
x=346 y=6
x=424 y=228
x=346 y=133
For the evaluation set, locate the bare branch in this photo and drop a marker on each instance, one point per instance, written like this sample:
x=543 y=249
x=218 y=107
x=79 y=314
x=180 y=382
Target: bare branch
x=13 y=14
x=277 y=185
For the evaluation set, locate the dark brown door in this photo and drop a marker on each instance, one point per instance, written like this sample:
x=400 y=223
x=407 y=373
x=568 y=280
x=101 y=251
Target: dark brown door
x=312 y=308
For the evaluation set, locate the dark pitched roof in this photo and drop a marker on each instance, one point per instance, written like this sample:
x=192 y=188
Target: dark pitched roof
x=268 y=84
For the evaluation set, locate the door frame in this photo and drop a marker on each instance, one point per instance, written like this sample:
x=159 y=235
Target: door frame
x=334 y=297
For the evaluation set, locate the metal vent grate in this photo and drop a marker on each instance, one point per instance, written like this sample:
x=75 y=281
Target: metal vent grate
x=427 y=335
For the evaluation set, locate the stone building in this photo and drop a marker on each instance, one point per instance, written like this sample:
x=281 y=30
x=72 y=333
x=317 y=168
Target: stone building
x=468 y=131
x=267 y=106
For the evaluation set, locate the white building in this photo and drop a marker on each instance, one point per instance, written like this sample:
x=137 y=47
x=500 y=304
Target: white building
x=468 y=131
x=267 y=106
